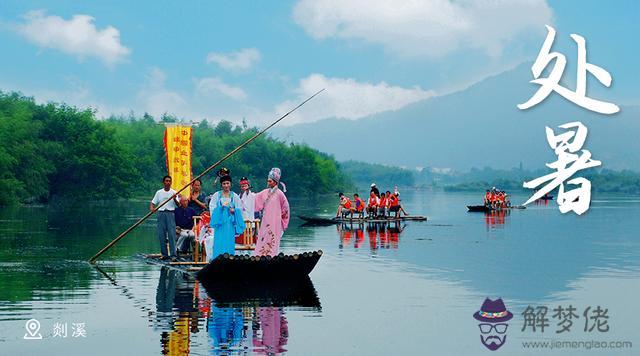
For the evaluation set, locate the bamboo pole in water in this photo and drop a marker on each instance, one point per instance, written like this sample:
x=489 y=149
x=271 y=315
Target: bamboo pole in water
x=127 y=231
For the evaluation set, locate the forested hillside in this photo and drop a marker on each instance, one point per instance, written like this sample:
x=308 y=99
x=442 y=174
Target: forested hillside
x=54 y=150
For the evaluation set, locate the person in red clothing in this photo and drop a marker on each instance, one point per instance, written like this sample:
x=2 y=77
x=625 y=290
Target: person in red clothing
x=394 y=205
x=392 y=202
x=487 y=198
x=359 y=203
x=500 y=200
x=345 y=206
x=372 y=205
x=493 y=197
x=382 y=205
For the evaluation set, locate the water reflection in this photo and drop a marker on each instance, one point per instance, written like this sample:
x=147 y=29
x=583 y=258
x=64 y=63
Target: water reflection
x=496 y=218
x=542 y=202
x=234 y=317
x=381 y=235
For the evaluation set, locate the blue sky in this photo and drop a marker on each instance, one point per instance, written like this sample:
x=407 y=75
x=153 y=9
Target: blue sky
x=229 y=60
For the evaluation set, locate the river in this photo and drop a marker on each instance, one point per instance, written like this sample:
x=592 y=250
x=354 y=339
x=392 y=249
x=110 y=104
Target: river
x=406 y=289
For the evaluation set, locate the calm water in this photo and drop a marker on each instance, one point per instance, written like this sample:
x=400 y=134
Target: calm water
x=406 y=289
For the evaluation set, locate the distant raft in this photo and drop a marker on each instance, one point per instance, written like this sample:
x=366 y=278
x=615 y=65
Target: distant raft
x=486 y=209
x=249 y=268
x=318 y=220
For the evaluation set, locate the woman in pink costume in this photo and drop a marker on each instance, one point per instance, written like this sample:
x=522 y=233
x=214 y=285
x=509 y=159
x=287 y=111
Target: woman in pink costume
x=275 y=216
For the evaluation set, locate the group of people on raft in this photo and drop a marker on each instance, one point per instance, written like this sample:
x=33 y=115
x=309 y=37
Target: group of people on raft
x=496 y=199
x=224 y=215
x=378 y=204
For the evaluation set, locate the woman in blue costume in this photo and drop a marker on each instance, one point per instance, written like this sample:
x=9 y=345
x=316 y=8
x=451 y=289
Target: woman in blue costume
x=226 y=218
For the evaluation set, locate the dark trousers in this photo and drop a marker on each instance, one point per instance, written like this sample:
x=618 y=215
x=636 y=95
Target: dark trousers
x=167 y=229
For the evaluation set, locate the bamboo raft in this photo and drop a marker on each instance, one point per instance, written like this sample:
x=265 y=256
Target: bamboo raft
x=487 y=209
x=319 y=220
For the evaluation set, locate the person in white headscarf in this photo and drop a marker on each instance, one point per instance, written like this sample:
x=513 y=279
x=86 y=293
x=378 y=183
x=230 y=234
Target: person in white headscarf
x=248 y=199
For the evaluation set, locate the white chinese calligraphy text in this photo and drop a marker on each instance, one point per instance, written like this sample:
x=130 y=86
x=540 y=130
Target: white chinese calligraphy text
x=552 y=82
x=566 y=146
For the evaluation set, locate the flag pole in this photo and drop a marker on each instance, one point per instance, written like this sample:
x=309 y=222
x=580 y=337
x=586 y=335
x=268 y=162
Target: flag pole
x=137 y=223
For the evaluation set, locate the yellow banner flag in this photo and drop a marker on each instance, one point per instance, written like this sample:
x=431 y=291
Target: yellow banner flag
x=177 y=145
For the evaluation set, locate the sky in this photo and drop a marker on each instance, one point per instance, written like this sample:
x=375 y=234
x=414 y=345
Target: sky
x=255 y=60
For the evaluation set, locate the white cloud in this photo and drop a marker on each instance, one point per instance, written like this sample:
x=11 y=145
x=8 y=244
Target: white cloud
x=236 y=61
x=77 y=36
x=73 y=92
x=192 y=103
x=156 y=99
x=348 y=99
x=428 y=28
x=206 y=86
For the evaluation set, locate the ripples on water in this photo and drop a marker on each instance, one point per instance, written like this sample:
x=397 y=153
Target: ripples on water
x=400 y=288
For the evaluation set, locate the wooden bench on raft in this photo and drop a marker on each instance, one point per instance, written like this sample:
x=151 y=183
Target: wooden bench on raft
x=249 y=235
x=248 y=238
x=387 y=214
x=353 y=213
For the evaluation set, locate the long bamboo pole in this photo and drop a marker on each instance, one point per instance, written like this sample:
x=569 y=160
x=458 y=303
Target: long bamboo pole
x=123 y=234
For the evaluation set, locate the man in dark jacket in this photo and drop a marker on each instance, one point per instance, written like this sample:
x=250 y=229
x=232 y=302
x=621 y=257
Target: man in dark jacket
x=184 y=225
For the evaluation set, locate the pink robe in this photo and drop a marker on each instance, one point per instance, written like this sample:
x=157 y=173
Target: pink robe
x=275 y=219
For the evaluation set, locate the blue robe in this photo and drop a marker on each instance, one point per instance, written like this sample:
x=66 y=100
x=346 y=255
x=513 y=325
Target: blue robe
x=226 y=226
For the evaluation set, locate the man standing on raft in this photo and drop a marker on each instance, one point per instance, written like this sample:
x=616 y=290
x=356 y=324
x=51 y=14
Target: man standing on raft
x=275 y=218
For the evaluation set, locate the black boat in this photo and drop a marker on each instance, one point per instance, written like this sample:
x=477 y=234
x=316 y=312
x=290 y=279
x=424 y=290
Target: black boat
x=252 y=268
x=318 y=220
x=479 y=208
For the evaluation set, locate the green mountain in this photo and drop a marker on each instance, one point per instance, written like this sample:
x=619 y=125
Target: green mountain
x=476 y=127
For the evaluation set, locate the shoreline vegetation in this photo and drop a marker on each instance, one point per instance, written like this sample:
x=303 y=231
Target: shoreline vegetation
x=478 y=180
x=55 y=151
x=626 y=182
x=58 y=152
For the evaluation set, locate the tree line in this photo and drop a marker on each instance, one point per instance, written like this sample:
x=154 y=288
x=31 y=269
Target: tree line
x=55 y=150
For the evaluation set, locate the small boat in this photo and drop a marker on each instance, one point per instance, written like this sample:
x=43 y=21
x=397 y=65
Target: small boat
x=547 y=197
x=479 y=208
x=248 y=268
x=318 y=220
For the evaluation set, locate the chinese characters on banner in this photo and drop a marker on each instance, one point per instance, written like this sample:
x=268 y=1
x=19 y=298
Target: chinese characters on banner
x=177 y=145
x=566 y=145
